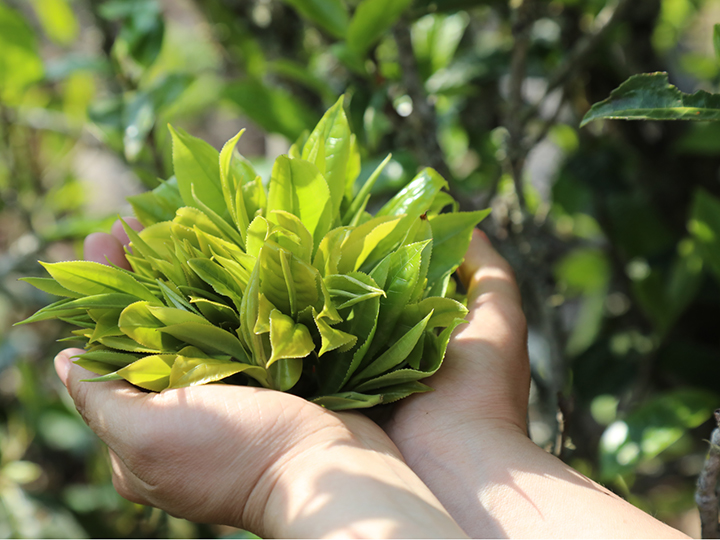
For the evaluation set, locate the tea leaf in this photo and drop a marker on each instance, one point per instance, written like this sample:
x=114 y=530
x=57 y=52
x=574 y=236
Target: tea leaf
x=328 y=147
x=403 y=272
x=360 y=200
x=362 y=240
x=285 y=373
x=196 y=163
x=451 y=238
x=649 y=96
x=298 y=187
x=347 y=400
x=288 y=340
x=415 y=198
x=50 y=286
x=218 y=278
x=91 y=278
x=138 y=323
x=208 y=338
x=113 y=358
x=189 y=371
x=231 y=179
x=395 y=355
x=332 y=338
x=151 y=372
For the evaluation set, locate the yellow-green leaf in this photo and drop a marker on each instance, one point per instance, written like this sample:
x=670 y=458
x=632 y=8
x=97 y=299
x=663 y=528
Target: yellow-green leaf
x=91 y=278
x=288 y=339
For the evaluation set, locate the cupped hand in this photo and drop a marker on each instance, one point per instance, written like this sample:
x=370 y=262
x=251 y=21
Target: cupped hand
x=485 y=377
x=253 y=458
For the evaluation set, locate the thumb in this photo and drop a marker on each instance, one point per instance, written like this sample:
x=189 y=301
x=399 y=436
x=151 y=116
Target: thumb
x=108 y=408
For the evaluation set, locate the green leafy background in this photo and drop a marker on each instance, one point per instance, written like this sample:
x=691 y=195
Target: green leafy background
x=612 y=229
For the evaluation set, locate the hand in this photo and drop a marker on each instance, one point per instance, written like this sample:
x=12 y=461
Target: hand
x=253 y=458
x=468 y=441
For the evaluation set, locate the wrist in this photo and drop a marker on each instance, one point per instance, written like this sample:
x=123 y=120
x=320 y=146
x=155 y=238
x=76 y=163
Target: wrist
x=352 y=491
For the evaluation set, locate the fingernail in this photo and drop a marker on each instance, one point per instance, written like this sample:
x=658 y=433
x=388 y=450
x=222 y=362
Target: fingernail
x=62 y=366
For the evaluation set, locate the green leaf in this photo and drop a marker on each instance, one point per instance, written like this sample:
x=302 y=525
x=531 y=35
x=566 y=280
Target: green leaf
x=217 y=313
x=232 y=180
x=328 y=147
x=415 y=198
x=451 y=238
x=329 y=14
x=157 y=205
x=93 y=278
x=288 y=339
x=151 y=372
x=332 y=338
x=273 y=109
x=126 y=344
x=249 y=310
x=138 y=323
x=651 y=428
x=444 y=312
x=196 y=163
x=293 y=235
x=360 y=200
x=391 y=394
x=190 y=371
x=372 y=19
x=346 y=290
x=328 y=253
x=256 y=235
x=138 y=118
x=433 y=354
x=347 y=400
x=106 y=323
x=218 y=278
x=650 y=97
x=394 y=356
x=289 y=283
x=337 y=367
x=402 y=278
x=50 y=286
x=208 y=338
x=227 y=232
x=285 y=373
x=298 y=187
x=363 y=240
x=113 y=358
x=99 y=368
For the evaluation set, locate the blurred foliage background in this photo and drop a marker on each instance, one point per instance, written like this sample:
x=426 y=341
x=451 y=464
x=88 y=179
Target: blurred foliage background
x=614 y=230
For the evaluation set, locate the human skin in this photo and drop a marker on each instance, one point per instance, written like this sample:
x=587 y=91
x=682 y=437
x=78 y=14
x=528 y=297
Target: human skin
x=468 y=440
x=258 y=459
x=280 y=466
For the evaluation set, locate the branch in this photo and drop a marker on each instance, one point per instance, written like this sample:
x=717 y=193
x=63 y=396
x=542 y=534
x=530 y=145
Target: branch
x=514 y=122
x=579 y=53
x=706 y=495
x=422 y=121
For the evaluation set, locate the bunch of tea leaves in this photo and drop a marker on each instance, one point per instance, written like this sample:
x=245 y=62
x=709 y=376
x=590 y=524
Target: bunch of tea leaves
x=297 y=288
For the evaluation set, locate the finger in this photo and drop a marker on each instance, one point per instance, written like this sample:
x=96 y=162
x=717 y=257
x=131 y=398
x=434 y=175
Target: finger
x=496 y=315
x=118 y=231
x=484 y=270
x=125 y=482
x=103 y=247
